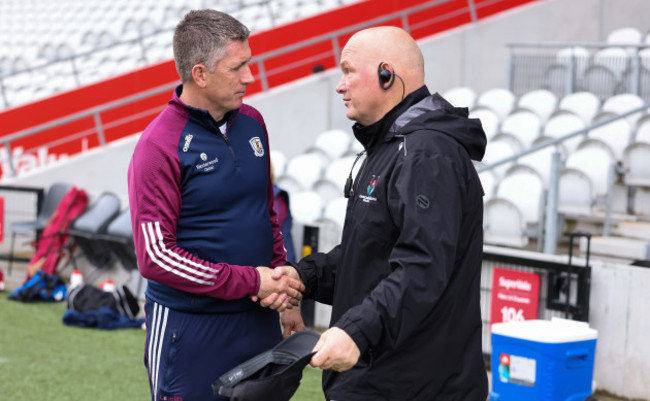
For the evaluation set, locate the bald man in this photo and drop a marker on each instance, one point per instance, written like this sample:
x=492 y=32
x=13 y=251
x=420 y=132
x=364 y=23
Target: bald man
x=404 y=282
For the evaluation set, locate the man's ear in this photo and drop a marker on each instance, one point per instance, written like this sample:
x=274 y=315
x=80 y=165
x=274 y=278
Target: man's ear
x=199 y=73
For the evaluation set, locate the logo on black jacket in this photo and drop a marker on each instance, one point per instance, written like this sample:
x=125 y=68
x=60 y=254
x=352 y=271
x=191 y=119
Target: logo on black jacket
x=371 y=185
x=370 y=189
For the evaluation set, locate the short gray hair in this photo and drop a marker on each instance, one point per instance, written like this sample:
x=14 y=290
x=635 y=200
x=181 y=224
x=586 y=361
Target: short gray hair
x=202 y=37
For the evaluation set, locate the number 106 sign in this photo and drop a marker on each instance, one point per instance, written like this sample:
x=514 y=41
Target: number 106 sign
x=515 y=296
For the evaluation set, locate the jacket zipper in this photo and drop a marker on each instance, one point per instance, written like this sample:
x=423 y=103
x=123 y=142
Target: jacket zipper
x=224 y=135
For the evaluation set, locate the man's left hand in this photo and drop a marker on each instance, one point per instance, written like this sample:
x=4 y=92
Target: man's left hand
x=335 y=350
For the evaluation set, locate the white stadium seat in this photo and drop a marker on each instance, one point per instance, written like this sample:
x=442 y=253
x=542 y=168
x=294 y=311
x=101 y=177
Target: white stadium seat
x=339 y=170
x=576 y=196
x=622 y=103
x=642 y=133
x=562 y=124
x=584 y=104
x=461 y=96
x=334 y=143
x=524 y=125
x=541 y=160
x=617 y=135
x=306 y=168
x=306 y=206
x=625 y=36
x=498 y=150
x=636 y=163
x=278 y=162
x=327 y=189
x=335 y=210
x=577 y=56
x=501 y=100
x=503 y=224
x=524 y=188
x=595 y=162
x=540 y=101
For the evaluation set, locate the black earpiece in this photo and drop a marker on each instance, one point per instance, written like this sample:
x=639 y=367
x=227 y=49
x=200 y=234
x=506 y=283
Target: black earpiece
x=386 y=77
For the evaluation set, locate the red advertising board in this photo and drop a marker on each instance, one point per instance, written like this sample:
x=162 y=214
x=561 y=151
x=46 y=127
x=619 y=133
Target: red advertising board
x=515 y=296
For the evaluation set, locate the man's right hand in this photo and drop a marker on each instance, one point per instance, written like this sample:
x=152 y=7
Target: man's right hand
x=280 y=288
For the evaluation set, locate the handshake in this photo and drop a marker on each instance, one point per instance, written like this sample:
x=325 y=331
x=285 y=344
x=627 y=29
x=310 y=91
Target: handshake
x=280 y=288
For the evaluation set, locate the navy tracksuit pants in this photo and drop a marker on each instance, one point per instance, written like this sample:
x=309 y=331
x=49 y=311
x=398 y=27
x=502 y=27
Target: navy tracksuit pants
x=186 y=352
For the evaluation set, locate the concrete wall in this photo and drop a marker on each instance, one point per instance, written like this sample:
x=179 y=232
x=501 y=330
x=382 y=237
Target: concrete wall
x=620 y=311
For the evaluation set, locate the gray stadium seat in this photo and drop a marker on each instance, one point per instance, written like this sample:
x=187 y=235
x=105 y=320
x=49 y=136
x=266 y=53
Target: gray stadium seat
x=86 y=229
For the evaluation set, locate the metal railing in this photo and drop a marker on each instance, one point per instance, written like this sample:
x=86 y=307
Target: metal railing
x=567 y=67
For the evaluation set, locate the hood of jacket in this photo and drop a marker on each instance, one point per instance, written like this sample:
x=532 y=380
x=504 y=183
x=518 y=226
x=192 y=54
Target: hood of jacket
x=422 y=111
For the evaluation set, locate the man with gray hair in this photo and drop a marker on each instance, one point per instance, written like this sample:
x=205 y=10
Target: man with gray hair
x=204 y=228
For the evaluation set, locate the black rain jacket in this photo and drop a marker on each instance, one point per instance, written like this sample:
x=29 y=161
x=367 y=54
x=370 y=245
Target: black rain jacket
x=404 y=282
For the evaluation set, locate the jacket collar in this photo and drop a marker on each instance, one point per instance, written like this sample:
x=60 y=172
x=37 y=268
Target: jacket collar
x=202 y=116
x=369 y=136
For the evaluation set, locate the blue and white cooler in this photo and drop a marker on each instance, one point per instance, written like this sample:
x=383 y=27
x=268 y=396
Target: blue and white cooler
x=537 y=360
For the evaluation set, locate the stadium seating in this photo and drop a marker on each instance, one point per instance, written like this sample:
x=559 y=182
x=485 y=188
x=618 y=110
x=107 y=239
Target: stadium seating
x=306 y=169
x=616 y=135
x=523 y=187
x=595 y=160
x=335 y=210
x=461 y=97
x=583 y=104
x=622 y=103
x=106 y=38
x=625 y=36
x=500 y=100
x=636 y=164
x=540 y=101
x=503 y=224
x=306 y=206
x=334 y=143
x=642 y=132
x=541 y=160
x=525 y=125
x=278 y=161
x=90 y=225
x=574 y=58
x=576 y=196
x=564 y=123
